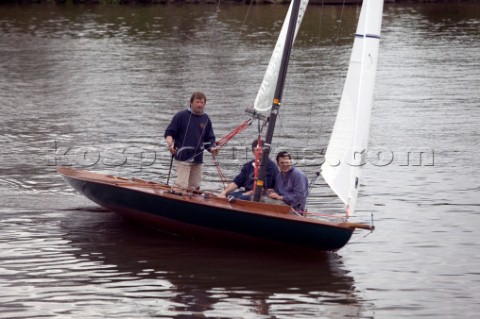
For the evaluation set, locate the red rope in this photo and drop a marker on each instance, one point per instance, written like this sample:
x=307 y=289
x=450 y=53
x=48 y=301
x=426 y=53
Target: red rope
x=258 y=154
x=224 y=140
x=220 y=173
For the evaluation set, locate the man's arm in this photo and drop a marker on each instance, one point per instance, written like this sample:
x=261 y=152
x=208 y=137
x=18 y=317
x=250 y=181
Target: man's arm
x=297 y=197
x=230 y=188
x=170 y=132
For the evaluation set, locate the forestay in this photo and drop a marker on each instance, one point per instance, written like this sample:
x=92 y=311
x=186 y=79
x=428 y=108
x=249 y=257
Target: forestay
x=346 y=150
x=263 y=101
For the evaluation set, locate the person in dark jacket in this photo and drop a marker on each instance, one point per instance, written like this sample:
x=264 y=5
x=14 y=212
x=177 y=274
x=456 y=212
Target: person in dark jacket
x=190 y=132
x=246 y=177
x=291 y=186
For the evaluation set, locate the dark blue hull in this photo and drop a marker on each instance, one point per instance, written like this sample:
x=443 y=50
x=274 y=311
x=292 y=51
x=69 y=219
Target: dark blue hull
x=200 y=216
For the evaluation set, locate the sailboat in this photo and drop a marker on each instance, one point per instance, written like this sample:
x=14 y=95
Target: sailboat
x=203 y=215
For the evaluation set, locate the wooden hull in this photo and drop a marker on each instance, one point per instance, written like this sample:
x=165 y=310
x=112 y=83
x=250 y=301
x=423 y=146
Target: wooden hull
x=205 y=216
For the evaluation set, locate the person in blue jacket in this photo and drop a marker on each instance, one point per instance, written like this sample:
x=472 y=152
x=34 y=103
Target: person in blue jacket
x=246 y=177
x=189 y=133
x=291 y=185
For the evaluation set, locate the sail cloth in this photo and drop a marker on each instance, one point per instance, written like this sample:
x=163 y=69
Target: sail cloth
x=346 y=150
x=263 y=101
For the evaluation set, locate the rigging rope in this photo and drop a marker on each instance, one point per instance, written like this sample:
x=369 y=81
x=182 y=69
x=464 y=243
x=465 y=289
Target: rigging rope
x=243 y=25
x=258 y=155
x=224 y=140
x=258 y=149
x=219 y=171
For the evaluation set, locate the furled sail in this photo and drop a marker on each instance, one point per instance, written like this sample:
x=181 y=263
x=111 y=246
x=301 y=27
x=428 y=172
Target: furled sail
x=347 y=148
x=264 y=99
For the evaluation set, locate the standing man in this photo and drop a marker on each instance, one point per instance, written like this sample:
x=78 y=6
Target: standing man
x=291 y=185
x=190 y=132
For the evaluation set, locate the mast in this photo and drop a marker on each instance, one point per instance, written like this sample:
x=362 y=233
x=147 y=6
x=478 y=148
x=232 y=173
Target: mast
x=260 y=182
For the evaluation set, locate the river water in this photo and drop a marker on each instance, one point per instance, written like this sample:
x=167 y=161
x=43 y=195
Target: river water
x=95 y=86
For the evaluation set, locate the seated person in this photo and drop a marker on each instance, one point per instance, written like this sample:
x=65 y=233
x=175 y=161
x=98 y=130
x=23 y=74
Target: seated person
x=291 y=185
x=245 y=178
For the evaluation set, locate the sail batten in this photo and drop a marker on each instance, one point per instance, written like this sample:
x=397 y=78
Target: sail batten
x=346 y=150
x=374 y=36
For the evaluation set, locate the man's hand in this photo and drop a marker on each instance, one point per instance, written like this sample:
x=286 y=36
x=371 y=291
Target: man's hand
x=214 y=150
x=170 y=145
x=271 y=194
x=222 y=195
x=172 y=149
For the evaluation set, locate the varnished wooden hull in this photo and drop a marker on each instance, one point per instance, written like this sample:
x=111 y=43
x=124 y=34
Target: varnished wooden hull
x=208 y=217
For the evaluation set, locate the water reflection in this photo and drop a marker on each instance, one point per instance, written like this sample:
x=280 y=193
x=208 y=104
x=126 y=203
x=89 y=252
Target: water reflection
x=136 y=23
x=209 y=280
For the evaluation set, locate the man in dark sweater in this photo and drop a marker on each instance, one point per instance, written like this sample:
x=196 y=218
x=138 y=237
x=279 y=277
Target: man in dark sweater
x=245 y=178
x=190 y=132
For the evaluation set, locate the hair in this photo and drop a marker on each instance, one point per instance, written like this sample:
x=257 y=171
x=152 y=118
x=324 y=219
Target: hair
x=283 y=154
x=255 y=143
x=198 y=95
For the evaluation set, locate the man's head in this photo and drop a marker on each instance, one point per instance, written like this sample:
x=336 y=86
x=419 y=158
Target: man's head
x=197 y=102
x=284 y=161
x=254 y=145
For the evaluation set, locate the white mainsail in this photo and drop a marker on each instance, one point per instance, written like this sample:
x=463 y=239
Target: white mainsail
x=346 y=150
x=263 y=101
